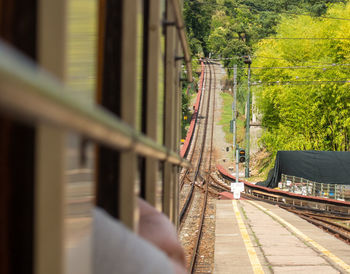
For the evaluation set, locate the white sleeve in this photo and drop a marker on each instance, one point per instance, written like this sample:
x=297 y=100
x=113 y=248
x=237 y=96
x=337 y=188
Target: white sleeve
x=118 y=250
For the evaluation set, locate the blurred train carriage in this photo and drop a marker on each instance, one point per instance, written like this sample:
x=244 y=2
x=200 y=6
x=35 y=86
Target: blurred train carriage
x=61 y=154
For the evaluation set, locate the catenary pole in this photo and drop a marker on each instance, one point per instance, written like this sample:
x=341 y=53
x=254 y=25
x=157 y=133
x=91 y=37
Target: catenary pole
x=235 y=107
x=235 y=150
x=248 y=61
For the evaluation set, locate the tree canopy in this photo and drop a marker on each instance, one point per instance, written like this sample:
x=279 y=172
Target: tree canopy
x=303 y=89
x=229 y=28
x=302 y=49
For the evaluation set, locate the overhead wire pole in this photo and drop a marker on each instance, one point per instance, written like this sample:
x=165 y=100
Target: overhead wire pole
x=234 y=114
x=235 y=150
x=248 y=61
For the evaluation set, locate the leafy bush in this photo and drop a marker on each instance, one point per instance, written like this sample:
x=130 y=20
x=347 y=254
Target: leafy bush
x=306 y=108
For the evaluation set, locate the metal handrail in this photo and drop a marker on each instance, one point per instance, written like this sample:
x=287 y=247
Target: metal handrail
x=36 y=97
x=336 y=191
x=180 y=25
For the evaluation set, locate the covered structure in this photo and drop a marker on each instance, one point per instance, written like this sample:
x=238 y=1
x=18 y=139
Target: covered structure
x=330 y=167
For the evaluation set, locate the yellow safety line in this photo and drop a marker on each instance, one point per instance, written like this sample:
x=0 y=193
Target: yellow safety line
x=326 y=252
x=248 y=244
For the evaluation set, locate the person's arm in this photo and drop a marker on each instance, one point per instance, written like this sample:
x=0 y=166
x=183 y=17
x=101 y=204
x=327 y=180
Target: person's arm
x=157 y=229
x=116 y=249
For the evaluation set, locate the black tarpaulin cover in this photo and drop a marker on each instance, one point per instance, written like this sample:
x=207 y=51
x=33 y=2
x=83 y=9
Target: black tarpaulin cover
x=329 y=167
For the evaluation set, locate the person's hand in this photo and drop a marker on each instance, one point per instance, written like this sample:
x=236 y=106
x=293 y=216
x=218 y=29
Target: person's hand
x=157 y=229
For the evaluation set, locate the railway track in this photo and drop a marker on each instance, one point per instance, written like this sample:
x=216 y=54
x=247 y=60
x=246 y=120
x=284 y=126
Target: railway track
x=189 y=196
x=185 y=189
x=216 y=184
x=194 y=265
x=334 y=219
x=186 y=171
x=202 y=167
x=335 y=225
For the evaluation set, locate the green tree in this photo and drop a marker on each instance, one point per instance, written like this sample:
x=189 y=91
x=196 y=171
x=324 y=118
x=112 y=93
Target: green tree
x=241 y=24
x=306 y=108
x=197 y=16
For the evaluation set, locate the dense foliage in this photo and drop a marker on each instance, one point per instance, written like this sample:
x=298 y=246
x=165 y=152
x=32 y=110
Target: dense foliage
x=197 y=18
x=189 y=92
x=229 y=28
x=306 y=107
x=301 y=108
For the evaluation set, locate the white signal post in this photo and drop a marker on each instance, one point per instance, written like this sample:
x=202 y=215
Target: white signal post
x=236 y=187
x=235 y=116
x=237 y=164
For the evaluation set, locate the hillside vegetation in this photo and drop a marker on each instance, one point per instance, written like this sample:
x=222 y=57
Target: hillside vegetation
x=229 y=28
x=306 y=106
x=301 y=84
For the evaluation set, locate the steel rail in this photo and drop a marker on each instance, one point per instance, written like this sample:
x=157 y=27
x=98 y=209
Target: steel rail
x=212 y=125
x=322 y=219
x=180 y=25
x=315 y=214
x=336 y=214
x=218 y=187
x=342 y=206
x=330 y=226
x=223 y=186
x=182 y=181
x=205 y=201
x=200 y=230
x=196 y=130
x=32 y=95
x=190 y=194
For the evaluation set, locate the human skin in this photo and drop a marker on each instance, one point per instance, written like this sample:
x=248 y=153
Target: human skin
x=156 y=228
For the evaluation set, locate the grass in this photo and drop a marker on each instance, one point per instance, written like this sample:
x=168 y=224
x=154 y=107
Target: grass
x=264 y=164
x=226 y=117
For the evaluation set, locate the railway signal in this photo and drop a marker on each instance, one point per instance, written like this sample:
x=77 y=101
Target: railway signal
x=248 y=61
x=241 y=155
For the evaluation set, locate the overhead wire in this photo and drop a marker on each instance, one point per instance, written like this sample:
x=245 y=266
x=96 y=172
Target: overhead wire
x=280 y=58
x=269 y=57
x=274 y=11
x=297 y=67
x=292 y=82
x=295 y=38
x=304 y=38
x=330 y=65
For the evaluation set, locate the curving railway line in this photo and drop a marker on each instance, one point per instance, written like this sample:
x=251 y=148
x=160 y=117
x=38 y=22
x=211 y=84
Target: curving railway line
x=197 y=155
x=202 y=182
x=339 y=226
x=194 y=196
x=330 y=215
x=194 y=265
x=194 y=138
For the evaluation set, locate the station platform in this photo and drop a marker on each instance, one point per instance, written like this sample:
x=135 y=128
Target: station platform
x=257 y=237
